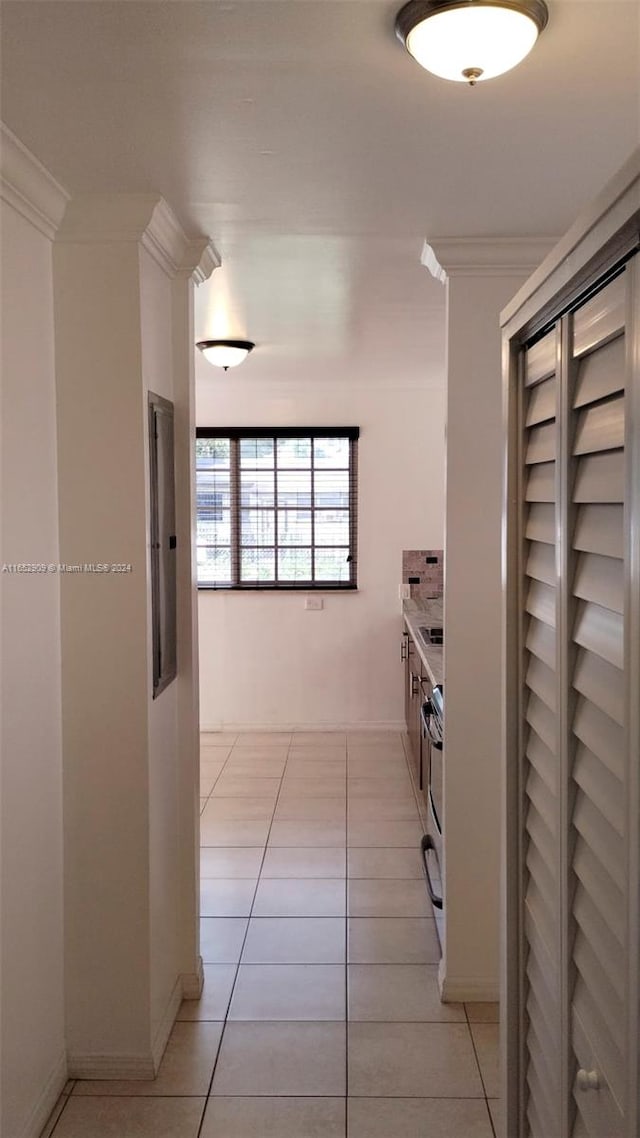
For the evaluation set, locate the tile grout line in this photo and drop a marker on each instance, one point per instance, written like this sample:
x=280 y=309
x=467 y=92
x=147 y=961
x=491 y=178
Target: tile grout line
x=482 y=1082
x=208 y=1095
x=346 y=940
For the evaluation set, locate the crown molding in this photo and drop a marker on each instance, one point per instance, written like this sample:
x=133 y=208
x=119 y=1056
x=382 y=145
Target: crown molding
x=200 y=259
x=145 y=219
x=27 y=186
x=446 y=257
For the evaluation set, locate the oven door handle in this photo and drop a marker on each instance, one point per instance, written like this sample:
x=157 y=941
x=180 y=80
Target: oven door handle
x=426 y=845
x=425 y=716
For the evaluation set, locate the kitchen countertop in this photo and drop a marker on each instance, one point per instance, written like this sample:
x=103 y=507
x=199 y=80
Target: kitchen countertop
x=418 y=614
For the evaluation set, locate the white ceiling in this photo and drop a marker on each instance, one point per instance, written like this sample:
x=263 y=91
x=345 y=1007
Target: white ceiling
x=303 y=139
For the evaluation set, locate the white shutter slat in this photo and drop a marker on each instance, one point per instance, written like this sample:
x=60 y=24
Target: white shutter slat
x=601 y=373
x=540 y=360
x=598 y=934
x=539 y=794
x=602 y=735
x=542 y=680
x=541 y=602
x=542 y=1083
x=541 y=404
x=543 y=762
x=542 y=977
x=599 y=529
x=600 y=318
x=601 y=786
x=600 y=682
x=600 y=478
x=541 y=641
x=541 y=563
x=591 y=1012
x=541 y=482
x=598 y=979
x=541 y=444
x=540 y=896
x=542 y=720
x=540 y=835
x=541 y=524
x=599 y=428
x=599 y=836
x=598 y=1114
x=601 y=631
x=600 y=579
x=605 y=893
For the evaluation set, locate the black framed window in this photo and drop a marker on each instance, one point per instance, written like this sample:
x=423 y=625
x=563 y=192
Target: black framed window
x=277 y=507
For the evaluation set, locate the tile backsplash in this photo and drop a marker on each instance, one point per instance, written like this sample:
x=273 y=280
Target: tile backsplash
x=423 y=570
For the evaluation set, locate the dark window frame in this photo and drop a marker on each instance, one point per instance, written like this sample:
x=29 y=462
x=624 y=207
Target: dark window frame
x=235 y=435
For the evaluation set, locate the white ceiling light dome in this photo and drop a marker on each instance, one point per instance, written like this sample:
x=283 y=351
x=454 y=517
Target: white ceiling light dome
x=470 y=40
x=225 y=353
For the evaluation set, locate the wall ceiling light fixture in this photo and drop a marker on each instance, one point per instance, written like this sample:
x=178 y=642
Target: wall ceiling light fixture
x=225 y=353
x=470 y=40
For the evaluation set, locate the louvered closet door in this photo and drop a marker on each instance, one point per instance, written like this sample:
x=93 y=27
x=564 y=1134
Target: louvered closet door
x=598 y=883
x=541 y=852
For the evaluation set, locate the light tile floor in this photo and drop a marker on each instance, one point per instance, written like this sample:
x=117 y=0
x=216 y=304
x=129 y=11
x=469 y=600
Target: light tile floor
x=320 y=1016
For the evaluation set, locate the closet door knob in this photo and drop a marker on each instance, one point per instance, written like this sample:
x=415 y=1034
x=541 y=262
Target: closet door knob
x=588 y=1080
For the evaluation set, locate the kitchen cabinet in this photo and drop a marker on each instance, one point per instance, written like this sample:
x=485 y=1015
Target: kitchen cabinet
x=417 y=688
x=412 y=671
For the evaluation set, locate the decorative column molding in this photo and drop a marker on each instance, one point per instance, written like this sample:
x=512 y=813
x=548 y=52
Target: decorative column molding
x=26 y=185
x=144 y=219
x=446 y=257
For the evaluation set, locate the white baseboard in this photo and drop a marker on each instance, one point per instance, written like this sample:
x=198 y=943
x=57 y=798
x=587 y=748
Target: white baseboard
x=371 y=725
x=91 y=1066
x=166 y=1024
x=193 y=982
x=96 y=1066
x=468 y=989
x=46 y=1101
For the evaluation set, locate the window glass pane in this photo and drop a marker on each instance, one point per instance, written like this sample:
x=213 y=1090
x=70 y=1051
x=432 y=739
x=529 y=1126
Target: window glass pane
x=214 y=527
x=331 y=452
x=256 y=452
x=331 y=488
x=214 y=566
x=331 y=527
x=257 y=527
x=257 y=565
x=294 y=527
x=294 y=488
x=213 y=489
x=212 y=452
x=256 y=488
x=294 y=453
x=294 y=564
x=332 y=565
x=293 y=505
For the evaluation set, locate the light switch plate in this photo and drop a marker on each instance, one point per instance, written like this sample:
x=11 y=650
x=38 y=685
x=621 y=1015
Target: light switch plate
x=313 y=604
x=404 y=592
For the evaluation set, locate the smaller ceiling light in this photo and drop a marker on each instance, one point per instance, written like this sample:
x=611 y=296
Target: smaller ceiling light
x=470 y=40
x=225 y=353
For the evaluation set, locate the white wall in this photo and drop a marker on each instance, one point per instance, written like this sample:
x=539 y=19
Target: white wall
x=480 y=283
x=121 y=291
x=163 y=747
x=33 y=1058
x=264 y=660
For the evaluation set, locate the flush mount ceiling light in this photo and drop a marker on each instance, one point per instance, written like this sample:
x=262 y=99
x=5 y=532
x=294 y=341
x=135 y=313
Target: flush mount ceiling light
x=470 y=40
x=225 y=353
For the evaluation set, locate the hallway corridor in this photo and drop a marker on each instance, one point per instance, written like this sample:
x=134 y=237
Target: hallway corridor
x=320 y=1016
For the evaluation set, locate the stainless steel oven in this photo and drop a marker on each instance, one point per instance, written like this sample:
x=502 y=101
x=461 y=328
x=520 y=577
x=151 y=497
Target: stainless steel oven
x=433 y=738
